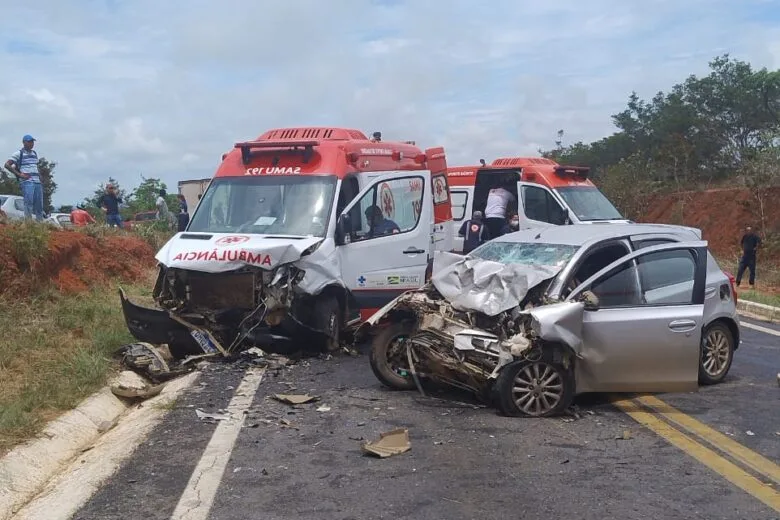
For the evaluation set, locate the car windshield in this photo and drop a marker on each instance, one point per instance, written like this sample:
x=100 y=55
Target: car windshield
x=273 y=204
x=588 y=203
x=556 y=255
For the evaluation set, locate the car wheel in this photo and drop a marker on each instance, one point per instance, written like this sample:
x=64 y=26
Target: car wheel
x=534 y=388
x=388 y=357
x=717 y=352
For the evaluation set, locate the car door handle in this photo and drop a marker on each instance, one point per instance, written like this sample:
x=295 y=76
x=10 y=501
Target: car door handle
x=413 y=251
x=682 y=325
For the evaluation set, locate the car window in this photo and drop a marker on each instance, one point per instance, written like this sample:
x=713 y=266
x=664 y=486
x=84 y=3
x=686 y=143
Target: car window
x=539 y=204
x=19 y=204
x=650 y=242
x=667 y=277
x=2 y=200
x=660 y=278
x=395 y=205
x=459 y=200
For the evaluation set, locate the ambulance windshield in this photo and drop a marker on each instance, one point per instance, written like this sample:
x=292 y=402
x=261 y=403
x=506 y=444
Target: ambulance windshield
x=269 y=204
x=588 y=203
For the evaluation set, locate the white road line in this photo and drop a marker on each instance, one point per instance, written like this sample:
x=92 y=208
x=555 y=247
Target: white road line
x=198 y=497
x=759 y=328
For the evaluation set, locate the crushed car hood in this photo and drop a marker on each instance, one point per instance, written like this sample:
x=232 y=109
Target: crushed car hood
x=475 y=284
x=220 y=252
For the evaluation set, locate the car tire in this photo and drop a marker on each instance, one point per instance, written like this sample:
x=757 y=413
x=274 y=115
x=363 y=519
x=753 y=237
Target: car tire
x=514 y=400
x=380 y=362
x=716 y=353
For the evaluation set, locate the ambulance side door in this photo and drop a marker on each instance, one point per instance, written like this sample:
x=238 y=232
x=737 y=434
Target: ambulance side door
x=380 y=261
x=537 y=206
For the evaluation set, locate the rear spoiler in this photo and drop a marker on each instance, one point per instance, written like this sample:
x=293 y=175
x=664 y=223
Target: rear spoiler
x=306 y=148
x=576 y=171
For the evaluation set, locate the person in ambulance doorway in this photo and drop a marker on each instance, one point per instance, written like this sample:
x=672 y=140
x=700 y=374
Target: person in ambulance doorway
x=474 y=232
x=379 y=225
x=512 y=225
x=498 y=201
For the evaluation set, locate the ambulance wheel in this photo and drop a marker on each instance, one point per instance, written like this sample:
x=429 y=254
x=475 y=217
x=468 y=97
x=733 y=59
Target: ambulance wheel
x=333 y=323
x=388 y=357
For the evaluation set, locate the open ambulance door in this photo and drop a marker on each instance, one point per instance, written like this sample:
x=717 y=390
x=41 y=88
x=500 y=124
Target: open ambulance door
x=537 y=206
x=382 y=258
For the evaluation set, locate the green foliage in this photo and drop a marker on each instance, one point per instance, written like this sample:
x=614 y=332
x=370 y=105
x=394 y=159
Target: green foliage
x=65 y=209
x=29 y=242
x=141 y=199
x=702 y=131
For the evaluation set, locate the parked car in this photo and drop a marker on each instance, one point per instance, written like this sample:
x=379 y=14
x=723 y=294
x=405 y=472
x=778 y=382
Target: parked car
x=573 y=309
x=61 y=220
x=138 y=218
x=12 y=206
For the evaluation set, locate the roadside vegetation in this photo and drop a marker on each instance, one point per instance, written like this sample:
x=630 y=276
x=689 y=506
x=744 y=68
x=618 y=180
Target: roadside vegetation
x=60 y=315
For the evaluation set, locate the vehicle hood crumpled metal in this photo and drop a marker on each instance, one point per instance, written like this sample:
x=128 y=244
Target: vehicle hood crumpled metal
x=559 y=323
x=485 y=286
x=219 y=252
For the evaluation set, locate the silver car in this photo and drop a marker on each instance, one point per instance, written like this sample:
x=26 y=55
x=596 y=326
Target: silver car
x=656 y=314
x=12 y=206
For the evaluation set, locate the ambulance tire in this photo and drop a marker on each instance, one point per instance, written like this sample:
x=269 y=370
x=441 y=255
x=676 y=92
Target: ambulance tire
x=333 y=322
x=380 y=363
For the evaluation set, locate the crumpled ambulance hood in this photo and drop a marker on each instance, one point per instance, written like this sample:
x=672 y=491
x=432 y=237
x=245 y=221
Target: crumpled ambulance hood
x=220 y=252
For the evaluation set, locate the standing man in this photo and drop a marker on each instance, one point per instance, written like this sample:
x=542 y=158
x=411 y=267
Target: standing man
x=110 y=203
x=474 y=232
x=750 y=242
x=79 y=216
x=497 y=204
x=184 y=215
x=162 y=208
x=24 y=165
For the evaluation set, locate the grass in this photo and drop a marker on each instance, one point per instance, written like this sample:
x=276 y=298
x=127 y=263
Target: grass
x=29 y=242
x=760 y=297
x=56 y=350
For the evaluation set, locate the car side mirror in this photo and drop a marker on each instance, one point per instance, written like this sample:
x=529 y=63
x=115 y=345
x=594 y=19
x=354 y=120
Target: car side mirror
x=343 y=229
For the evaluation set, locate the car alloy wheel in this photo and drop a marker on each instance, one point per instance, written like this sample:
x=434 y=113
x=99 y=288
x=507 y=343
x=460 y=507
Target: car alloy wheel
x=717 y=352
x=537 y=389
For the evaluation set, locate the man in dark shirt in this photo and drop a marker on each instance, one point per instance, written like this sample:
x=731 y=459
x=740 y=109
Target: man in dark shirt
x=110 y=203
x=474 y=232
x=750 y=242
x=379 y=225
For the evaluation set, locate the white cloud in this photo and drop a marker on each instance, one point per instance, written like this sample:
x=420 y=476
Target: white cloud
x=164 y=88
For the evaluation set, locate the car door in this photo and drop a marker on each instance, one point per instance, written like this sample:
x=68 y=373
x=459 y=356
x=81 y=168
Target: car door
x=380 y=263
x=461 y=212
x=642 y=336
x=537 y=206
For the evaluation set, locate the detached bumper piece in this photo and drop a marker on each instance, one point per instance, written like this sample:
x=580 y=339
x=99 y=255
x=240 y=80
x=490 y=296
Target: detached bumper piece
x=155 y=326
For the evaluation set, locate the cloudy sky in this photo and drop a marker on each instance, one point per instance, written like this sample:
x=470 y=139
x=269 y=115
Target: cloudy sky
x=134 y=87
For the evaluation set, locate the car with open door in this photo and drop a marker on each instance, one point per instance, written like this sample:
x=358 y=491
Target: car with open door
x=565 y=310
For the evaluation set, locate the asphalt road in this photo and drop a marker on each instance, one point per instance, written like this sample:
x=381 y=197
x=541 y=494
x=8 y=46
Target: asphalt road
x=465 y=462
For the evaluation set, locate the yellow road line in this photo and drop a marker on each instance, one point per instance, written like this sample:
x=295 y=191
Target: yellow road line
x=706 y=456
x=742 y=454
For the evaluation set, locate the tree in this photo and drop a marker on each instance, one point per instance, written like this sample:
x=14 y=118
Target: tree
x=144 y=197
x=65 y=208
x=762 y=173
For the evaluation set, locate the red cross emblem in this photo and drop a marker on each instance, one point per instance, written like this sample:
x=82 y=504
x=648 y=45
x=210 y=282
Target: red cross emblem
x=387 y=201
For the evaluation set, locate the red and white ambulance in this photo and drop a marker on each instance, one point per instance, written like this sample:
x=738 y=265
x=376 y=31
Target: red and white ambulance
x=546 y=193
x=301 y=233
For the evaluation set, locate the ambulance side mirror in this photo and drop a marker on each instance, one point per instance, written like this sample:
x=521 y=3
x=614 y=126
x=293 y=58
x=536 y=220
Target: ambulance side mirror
x=343 y=229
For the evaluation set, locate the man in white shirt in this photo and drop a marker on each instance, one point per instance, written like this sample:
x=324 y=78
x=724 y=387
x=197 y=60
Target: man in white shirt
x=495 y=211
x=162 y=208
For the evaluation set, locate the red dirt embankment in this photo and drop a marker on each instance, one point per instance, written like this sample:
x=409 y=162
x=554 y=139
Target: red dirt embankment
x=721 y=214
x=74 y=262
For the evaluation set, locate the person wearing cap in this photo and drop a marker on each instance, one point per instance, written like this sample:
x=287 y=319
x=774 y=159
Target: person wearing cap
x=110 y=202
x=79 y=216
x=474 y=232
x=24 y=165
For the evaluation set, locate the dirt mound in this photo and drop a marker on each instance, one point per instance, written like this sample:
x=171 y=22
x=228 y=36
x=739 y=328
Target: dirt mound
x=72 y=263
x=721 y=214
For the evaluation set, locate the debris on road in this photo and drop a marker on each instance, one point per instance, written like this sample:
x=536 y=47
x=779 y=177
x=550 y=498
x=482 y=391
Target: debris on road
x=203 y=416
x=625 y=436
x=148 y=360
x=323 y=409
x=131 y=385
x=390 y=443
x=294 y=399
x=749 y=433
